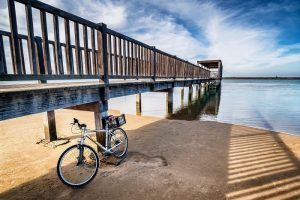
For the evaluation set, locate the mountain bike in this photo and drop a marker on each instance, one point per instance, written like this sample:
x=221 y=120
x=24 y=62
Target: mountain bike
x=78 y=165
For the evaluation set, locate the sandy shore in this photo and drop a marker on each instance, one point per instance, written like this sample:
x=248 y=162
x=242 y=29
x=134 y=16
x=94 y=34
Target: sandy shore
x=168 y=159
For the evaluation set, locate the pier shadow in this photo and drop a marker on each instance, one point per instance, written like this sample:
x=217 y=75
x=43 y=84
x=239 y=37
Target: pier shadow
x=261 y=166
x=161 y=164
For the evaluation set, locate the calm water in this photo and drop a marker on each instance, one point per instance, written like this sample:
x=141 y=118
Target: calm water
x=269 y=104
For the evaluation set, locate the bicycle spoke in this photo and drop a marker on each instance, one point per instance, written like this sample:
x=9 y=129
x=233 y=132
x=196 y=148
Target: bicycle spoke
x=77 y=173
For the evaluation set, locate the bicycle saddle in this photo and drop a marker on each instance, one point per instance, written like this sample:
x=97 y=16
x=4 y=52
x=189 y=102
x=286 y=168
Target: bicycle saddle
x=108 y=117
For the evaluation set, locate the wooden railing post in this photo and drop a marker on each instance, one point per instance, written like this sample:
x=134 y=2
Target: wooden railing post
x=15 y=47
x=31 y=47
x=47 y=59
x=104 y=54
x=58 y=52
x=69 y=54
x=154 y=63
x=3 y=68
x=175 y=66
x=103 y=104
x=40 y=57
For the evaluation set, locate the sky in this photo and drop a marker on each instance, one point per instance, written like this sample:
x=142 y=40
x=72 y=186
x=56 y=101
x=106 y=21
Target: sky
x=252 y=38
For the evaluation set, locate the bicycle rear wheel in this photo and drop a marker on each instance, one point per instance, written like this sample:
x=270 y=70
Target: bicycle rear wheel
x=119 y=143
x=76 y=172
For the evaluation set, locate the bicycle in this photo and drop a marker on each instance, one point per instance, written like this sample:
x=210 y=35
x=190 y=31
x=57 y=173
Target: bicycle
x=78 y=165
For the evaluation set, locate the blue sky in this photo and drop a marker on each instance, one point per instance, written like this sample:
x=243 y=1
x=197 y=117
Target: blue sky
x=253 y=38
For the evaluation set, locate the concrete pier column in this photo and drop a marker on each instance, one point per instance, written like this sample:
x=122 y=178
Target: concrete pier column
x=50 y=126
x=49 y=122
x=199 y=91
x=182 y=97
x=99 y=108
x=190 y=93
x=139 y=104
x=205 y=87
x=100 y=111
x=170 y=101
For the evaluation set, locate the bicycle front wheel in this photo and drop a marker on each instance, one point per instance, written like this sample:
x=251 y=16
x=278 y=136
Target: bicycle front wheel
x=78 y=165
x=119 y=143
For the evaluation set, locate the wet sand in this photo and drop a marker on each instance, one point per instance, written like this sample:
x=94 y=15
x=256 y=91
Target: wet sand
x=168 y=159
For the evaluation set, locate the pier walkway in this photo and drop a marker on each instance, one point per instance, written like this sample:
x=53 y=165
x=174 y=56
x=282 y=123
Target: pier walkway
x=90 y=65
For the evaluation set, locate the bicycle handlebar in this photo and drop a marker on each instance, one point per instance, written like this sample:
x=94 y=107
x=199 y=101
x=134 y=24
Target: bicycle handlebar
x=76 y=121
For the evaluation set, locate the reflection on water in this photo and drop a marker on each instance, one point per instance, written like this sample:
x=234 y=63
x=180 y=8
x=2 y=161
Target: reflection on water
x=268 y=104
x=205 y=102
x=184 y=105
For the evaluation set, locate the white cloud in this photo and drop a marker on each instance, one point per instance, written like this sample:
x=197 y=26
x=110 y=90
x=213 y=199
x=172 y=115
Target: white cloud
x=242 y=47
x=112 y=13
x=166 y=35
x=220 y=33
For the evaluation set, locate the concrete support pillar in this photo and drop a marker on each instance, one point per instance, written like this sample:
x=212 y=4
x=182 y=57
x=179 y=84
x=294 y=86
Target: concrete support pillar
x=205 y=87
x=49 y=122
x=190 y=93
x=100 y=110
x=139 y=104
x=50 y=126
x=182 y=97
x=199 y=91
x=170 y=101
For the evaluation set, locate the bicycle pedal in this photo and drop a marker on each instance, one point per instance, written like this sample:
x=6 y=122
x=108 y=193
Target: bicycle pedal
x=106 y=153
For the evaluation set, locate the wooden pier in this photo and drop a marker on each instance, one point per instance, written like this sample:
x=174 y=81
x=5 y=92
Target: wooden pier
x=110 y=63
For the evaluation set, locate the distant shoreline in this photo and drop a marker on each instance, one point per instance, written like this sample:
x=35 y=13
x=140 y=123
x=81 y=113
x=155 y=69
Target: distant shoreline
x=264 y=78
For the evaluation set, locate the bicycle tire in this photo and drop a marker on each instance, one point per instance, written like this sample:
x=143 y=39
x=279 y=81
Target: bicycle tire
x=64 y=179
x=124 y=152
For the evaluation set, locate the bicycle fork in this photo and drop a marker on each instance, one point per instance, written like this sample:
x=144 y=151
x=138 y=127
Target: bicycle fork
x=81 y=149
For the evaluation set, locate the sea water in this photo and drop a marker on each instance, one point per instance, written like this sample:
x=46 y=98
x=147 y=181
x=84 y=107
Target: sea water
x=268 y=104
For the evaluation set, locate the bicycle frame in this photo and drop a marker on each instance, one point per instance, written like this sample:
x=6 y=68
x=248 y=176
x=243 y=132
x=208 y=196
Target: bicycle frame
x=106 y=148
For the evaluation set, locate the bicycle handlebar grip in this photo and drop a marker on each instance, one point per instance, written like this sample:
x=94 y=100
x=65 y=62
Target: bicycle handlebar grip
x=76 y=121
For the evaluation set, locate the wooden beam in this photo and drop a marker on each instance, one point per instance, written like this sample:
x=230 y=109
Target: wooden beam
x=16 y=104
x=30 y=100
x=86 y=107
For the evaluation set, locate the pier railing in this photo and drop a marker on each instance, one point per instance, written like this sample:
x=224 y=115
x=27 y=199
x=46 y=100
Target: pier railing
x=100 y=53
